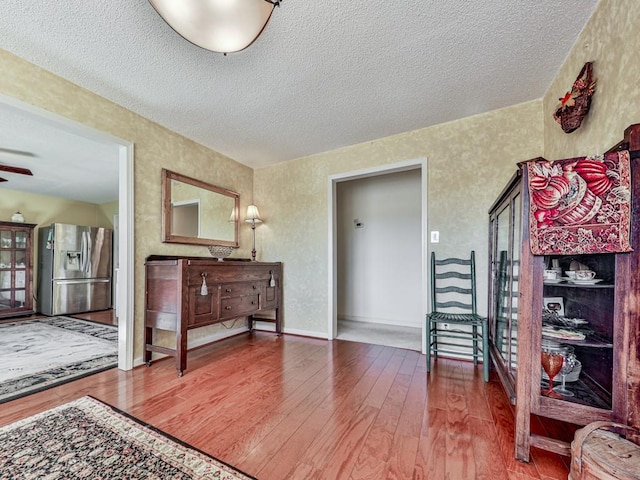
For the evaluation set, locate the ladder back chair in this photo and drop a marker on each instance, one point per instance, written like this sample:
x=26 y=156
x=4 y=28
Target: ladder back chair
x=453 y=314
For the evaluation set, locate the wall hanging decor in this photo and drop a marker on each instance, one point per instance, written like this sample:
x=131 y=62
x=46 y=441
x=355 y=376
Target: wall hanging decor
x=580 y=205
x=574 y=106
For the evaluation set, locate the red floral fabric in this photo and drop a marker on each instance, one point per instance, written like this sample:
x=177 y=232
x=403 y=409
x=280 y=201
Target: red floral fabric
x=580 y=205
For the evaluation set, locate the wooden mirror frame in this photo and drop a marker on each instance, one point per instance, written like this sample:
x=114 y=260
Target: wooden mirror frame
x=168 y=236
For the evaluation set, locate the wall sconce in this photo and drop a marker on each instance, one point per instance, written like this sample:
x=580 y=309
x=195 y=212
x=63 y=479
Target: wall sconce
x=253 y=217
x=218 y=25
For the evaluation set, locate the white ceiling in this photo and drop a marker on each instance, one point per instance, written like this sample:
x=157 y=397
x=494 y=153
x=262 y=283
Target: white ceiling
x=64 y=163
x=323 y=75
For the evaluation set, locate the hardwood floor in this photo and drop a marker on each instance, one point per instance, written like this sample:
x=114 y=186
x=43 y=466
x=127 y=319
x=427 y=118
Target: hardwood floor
x=300 y=408
x=103 y=316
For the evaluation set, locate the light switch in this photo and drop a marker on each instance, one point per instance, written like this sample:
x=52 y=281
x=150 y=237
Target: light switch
x=435 y=237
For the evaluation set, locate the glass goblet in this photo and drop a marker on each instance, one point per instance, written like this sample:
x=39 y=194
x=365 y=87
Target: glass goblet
x=552 y=364
x=568 y=363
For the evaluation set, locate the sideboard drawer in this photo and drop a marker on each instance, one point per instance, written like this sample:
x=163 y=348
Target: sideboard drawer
x=239 y=289
x=237 y=306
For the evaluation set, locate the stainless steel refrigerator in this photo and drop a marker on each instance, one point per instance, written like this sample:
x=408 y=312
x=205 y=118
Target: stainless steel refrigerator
x=74 y=269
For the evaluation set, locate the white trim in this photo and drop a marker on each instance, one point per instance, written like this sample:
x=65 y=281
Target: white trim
x=126 y=261
x=332 y=321
x=126 y=211
x=270 y=327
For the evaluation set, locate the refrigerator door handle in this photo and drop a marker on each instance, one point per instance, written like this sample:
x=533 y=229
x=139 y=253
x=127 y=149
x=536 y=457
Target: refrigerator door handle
x=84 y=280
x=89 y=253
x=83 y=252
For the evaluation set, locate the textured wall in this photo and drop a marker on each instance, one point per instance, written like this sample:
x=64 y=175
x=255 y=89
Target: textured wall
x=155 y=148
x=611 y=39
x=469 y=163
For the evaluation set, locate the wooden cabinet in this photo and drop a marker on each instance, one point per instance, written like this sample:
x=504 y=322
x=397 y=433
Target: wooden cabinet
x=16 y=269
x=190 y=292
x=523 y=311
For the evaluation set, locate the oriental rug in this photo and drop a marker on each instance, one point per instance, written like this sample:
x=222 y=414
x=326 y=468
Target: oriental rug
x=42 y=353
x=90 y=439
x=580 y=205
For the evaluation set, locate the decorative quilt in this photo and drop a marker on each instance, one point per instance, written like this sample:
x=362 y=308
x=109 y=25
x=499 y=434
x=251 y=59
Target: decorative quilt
x=580 y=205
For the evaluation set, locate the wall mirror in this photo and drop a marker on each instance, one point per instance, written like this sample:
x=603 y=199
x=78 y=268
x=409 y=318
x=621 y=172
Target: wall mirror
x=198 y=213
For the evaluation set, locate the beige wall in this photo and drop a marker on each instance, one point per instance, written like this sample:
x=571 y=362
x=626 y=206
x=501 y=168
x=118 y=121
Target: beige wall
x=109 y=210
x=469 y=163
x=44 y=210
x=155 y=148
x=611 y=40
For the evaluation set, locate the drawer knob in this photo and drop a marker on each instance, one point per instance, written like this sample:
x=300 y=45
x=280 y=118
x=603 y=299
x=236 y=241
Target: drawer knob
x=227 y=307
x=254 y=287
x=253 y=302
x=228 y=290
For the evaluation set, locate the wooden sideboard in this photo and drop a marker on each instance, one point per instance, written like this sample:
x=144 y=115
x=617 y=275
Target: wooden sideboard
x=177 y=301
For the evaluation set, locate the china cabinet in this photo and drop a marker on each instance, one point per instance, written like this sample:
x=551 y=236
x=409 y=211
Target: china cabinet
x=593 y=323
x=16 y=272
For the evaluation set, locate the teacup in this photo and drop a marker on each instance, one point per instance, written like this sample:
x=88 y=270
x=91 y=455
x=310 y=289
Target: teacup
x=550 y=274
x=585 y=274
x=570 y=274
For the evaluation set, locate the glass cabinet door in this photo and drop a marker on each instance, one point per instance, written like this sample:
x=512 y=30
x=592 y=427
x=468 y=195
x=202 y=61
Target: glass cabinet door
x=15 y=269
x=503 y=303
x=506 y=289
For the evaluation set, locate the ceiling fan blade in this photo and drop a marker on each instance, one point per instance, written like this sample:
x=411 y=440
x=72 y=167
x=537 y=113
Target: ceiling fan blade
x=11 y=151
x=19 y=170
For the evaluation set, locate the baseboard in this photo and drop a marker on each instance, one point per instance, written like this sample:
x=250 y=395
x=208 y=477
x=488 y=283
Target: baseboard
x=215 y=337
x=271 y=327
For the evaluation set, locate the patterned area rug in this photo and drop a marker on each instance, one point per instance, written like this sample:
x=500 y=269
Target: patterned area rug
x=90 y=439
x=45 y=352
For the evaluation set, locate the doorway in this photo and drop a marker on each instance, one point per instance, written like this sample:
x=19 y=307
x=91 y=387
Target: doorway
x=363 y=249
x=124 y=161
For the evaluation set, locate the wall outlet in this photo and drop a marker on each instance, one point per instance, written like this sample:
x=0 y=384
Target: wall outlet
x=435 y=237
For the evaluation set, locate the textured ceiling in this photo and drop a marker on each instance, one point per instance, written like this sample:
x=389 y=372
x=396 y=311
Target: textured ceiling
x=322 y=76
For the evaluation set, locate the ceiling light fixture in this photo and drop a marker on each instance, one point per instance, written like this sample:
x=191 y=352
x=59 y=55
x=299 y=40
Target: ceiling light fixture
x=223 y=26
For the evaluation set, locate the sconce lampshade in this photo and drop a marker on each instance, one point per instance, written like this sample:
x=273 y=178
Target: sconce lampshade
x=219 y=25
x=253 y=215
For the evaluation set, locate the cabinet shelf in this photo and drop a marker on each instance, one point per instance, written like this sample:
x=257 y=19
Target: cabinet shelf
x=586 y=392
x=574 y=285
x=592 y=341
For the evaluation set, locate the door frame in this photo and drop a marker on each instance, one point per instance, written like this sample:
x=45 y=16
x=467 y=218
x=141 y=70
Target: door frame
x=333 y=180
x=125 y=157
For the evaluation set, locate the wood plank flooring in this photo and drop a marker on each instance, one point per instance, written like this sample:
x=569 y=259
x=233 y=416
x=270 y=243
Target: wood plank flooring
x=298 y=408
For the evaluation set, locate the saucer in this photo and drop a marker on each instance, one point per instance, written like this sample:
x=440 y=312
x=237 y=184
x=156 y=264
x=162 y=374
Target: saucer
x=593 y=281
x=553 y=281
